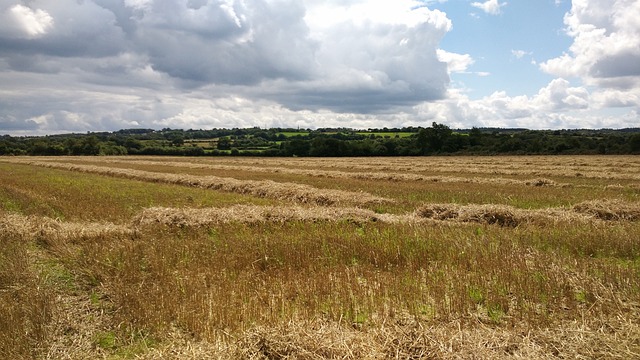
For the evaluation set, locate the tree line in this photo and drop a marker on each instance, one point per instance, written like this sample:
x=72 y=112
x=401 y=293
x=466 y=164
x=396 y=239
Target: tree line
x=437 y=139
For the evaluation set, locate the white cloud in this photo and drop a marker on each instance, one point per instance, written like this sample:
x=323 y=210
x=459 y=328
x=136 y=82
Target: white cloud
x=110 y=64
x=612 y=98
x=22 y=21
x=456 y=63
x=606 y=44
x=138 y=4
x=490 y=6
x=295 y=57
x=326 y=14
x=34 y=23
x=360 y=55
x=519 y=54
x=557 y=105
x=381 y=51
x=558 y=95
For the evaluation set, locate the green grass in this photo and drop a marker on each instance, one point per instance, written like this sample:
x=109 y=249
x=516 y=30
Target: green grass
x=76 y=196
x=293 y=133
x=203 y=143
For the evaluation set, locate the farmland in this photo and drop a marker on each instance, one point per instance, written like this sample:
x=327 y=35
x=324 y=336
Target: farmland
x=269 y=258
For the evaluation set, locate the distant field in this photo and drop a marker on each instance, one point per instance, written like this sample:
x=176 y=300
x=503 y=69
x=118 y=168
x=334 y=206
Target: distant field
x=293 y=133
x=267 y=258
x=203 y=143
x=387 y=134
x=364 y=133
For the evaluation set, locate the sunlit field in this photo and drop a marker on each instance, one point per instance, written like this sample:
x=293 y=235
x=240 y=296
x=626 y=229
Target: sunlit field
x=314 y=258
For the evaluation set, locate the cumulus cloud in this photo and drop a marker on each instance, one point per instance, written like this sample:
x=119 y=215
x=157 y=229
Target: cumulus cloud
x=96 y=65
x=606 y=44
x=492 y=7
x=456 y=63
x=225 y=42
x=345 y=56
x=557 y=105
x=616 y=98
x=377 y=51
x=358 y=56
x=559 y=95
x=32 y=23
x=63 y=30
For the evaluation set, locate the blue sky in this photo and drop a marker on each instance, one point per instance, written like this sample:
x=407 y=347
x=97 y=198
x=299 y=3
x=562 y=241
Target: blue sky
x=505 y=44
x=104 y=65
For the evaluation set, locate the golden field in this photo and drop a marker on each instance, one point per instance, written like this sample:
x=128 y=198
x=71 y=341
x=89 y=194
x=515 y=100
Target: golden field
x=320 y=258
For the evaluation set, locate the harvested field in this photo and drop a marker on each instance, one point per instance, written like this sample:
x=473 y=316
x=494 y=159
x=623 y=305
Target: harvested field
x=376 y=258
x=589 y=212
x=590 y=167
x=406 y=190
x=333 y=174
x=271 y=189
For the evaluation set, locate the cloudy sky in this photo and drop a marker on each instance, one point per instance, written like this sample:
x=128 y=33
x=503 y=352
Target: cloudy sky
x=103 y=65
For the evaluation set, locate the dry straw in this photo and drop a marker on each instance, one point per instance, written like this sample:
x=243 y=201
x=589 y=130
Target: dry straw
x=360 y=175
x=458 y=339
x=453 y=340
x=605 y=167
x=509 y=216
x=501 y=215
x=608 y=333
x=609 y=209
x=594 y=167
x=187 y=217
x=51 y=231
x=265 y=188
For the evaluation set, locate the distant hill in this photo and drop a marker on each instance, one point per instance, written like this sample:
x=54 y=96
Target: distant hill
x=438 y=139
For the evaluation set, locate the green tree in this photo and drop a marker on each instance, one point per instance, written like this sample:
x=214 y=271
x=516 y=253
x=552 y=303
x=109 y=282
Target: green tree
x=432 y=139
x=297 y=147
x=177 y=140
x=224 y=143
x=634 y=143
x=327 y=146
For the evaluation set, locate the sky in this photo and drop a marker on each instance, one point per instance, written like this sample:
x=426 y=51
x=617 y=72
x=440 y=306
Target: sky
x=104 y=65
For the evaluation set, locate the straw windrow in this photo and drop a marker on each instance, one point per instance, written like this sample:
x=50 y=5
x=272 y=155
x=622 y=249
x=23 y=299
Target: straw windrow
x=49 y=230
x=186 y=217
x=299 y=193
x=491 y=214
x=360 y=175
x=509 y=216
x=609 y=210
